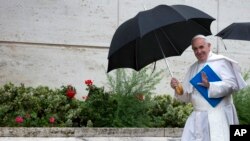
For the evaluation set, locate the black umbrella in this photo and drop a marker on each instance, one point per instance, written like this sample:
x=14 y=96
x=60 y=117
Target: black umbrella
x=155 y=34
x=236 y=31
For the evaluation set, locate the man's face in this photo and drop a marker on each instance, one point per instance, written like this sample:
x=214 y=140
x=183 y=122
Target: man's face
x=201 y=49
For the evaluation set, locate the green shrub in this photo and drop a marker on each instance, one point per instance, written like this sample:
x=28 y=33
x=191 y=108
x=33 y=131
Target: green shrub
x=168 y=112
x=128 y=103
x=101 y=107
x=132 y=82
x=242 y=104
x=37 y=107
x=132 y=91
x=131 y=111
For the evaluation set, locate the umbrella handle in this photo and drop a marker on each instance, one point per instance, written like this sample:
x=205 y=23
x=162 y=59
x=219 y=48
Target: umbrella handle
x=179 y=88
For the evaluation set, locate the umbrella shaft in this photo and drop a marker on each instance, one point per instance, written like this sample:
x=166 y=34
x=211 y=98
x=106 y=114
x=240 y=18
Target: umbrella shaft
x=168 y=67
x=163 y=54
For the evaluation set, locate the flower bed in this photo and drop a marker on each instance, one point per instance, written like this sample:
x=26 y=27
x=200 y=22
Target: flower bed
x=22 y=106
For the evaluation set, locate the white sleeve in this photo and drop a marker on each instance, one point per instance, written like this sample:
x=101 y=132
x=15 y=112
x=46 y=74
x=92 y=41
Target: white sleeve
x=187 y=87
x=185 y=97
x=228 y=84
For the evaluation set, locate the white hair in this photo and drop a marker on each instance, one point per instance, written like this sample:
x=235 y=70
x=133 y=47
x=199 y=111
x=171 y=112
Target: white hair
x=199 y=36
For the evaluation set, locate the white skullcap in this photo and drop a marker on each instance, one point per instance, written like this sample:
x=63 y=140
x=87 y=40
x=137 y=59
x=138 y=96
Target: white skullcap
x=199 y=36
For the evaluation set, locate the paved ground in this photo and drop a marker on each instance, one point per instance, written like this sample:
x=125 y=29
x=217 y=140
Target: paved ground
x=88 y=139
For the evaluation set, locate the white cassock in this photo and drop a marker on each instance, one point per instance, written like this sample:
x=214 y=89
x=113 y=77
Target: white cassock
x=207 y=123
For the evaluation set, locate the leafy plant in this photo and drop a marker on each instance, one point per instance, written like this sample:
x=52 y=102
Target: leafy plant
x=37 y=107
x=168 y=112
x=101 y=107
x=131 y=111
x=131 y=83
x=132 y=91
x=242 y=104
x=45 y=107
x=246 y=75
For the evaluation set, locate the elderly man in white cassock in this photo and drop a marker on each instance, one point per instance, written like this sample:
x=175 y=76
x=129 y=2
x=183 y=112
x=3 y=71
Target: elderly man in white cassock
x=208 y=123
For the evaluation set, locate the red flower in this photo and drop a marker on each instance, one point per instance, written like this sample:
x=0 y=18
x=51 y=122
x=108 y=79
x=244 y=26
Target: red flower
x=52 y=119
x=88 y=82
x=71 y=92
x=19 y=119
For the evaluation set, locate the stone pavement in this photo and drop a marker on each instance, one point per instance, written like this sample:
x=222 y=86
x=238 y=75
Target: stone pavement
x=88 y=139
x=89 y=134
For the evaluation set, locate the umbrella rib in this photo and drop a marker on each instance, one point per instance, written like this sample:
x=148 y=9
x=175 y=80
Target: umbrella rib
x=165 y=34
x=136 y=55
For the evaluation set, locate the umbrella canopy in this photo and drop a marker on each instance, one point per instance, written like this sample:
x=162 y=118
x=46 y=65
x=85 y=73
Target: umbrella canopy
x=236 y=31
x=155 y=34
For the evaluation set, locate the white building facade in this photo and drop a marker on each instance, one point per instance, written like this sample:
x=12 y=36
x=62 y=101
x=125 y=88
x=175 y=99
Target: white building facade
x=61 y=42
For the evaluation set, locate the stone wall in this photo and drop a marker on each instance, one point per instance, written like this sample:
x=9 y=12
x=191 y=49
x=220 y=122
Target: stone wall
x=55 y=43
